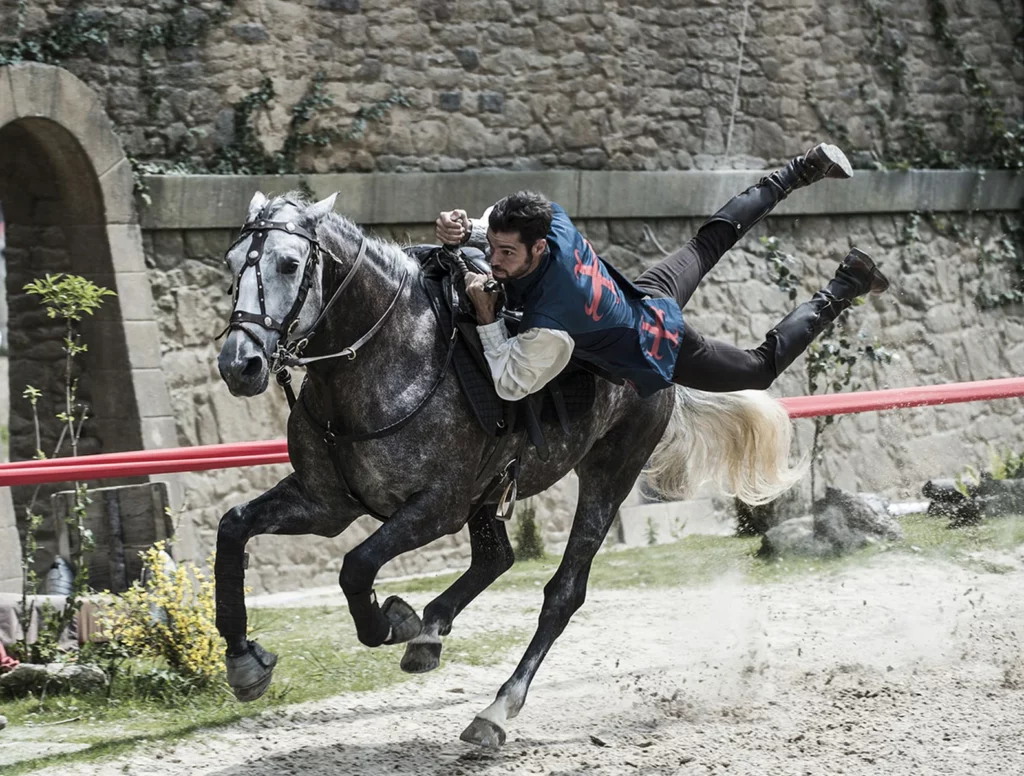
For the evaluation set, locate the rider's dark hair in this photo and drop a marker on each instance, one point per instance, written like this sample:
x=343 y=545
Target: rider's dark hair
x=526 y=212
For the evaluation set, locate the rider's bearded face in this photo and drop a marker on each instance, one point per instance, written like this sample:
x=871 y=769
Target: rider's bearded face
x=511 y=258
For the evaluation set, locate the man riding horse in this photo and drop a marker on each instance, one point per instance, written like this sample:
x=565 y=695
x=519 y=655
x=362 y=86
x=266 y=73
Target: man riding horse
x=575 y=303
x=380 y=429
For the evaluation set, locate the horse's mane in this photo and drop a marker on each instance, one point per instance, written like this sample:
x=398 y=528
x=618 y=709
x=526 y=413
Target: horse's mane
x=343 y=235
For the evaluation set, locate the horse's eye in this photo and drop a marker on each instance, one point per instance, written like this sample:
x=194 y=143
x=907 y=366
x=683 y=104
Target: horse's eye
x=290 y=267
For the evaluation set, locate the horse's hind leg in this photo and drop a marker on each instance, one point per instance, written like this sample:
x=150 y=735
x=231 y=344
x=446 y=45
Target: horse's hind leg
x=492 y=556
x=284 y=509
x=606 y=478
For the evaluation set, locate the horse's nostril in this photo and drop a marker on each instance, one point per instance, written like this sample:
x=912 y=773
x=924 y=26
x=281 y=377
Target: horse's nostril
x=253 y=367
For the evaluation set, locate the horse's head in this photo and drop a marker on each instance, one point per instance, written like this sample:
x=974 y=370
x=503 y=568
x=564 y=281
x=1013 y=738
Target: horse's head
x=277 y=287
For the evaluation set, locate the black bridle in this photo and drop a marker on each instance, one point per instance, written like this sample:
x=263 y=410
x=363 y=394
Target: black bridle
x=289 y=352
x=259 y=229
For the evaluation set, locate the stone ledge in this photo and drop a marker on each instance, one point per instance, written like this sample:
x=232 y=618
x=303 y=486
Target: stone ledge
x=219 y=201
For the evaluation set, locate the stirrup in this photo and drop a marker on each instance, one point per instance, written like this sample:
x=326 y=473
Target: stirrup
x=507 y=502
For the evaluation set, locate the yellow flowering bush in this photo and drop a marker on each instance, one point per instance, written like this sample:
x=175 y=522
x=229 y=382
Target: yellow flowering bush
x=171 y=617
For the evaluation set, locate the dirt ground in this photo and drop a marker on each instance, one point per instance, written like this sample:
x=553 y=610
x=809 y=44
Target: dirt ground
x=901 y=666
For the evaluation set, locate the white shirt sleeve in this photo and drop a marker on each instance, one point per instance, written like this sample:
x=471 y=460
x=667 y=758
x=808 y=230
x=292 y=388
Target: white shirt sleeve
x=524 y=364
x=477 y=237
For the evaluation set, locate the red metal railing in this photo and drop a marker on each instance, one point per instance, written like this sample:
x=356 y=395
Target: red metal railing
x=188 y=459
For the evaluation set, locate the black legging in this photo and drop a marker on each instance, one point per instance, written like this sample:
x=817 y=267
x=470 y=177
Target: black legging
x=704 y=363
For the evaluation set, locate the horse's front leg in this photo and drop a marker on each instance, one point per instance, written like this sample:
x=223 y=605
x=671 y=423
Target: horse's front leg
x=426 y=516
x=284 y=509
x=492 y=556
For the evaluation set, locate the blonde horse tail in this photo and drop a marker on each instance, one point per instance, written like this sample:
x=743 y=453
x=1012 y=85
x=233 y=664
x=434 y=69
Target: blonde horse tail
x=738 y=441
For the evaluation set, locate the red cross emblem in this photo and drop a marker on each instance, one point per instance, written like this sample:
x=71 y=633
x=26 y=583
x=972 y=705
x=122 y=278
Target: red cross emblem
x=598 y=283
x=660 y=332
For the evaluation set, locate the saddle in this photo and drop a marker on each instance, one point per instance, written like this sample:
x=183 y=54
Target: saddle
x=568 y=397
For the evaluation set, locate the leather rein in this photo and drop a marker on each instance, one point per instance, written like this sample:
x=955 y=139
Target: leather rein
x=289 y=352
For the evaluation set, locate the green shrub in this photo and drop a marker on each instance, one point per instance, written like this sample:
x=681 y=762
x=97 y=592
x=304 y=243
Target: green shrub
x=529 y=544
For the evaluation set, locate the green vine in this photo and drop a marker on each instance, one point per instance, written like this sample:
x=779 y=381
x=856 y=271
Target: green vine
x=69 y=36
x=991 y=140
x=370 y=114
x=1003 y=146
x=1006 y=252
x=75 y=30
x=245 y=154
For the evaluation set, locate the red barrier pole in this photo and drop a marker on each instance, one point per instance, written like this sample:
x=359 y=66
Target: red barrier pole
x=185 y=459
x=85 y=470
x=270 y=447
x=897 y=398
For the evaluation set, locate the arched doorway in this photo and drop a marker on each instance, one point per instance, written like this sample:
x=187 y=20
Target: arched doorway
x=66 y=191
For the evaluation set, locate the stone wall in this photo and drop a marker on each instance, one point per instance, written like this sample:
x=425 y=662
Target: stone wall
x=532 y=84
x=929 y=318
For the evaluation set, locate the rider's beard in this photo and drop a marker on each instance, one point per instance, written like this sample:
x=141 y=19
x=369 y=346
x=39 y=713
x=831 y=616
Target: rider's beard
x=518 y=274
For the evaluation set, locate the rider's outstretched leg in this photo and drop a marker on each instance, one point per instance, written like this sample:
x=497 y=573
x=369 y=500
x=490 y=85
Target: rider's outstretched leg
x=678 y=275
x=711 y=365
x=746 y=210
x=857 y=275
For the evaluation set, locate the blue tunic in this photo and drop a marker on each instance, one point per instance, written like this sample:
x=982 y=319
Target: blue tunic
x=612 y=322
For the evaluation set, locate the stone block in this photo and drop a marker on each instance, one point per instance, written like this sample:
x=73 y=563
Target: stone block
x=10 y=546
x=450 y=101
x=8 y=110
x=118 y=188
x=491 y=102
x=134 y=296
x=125 y=245
x=468 y=57
x=250 y=33
x=33 y=87
x=151 y=393
x=142 y=340
x=53 y=678
x=370 y=70
x=158 y=432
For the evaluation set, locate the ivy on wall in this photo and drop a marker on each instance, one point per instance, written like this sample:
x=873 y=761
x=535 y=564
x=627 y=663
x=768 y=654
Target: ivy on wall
x=988 y=138
x=81 y=32
x=245 y=155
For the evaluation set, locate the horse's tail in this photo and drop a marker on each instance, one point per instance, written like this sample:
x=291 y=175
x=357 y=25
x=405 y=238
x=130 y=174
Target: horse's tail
x=737 y=441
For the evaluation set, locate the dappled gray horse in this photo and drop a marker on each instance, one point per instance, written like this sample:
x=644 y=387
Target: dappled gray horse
x=380 y=428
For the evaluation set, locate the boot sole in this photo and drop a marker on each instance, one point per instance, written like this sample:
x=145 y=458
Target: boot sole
x=841 y=167
x=879 y=282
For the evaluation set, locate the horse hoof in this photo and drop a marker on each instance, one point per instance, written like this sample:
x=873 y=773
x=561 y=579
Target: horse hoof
x=249 y=675
x=405 y=623
x=483 y=732
x=421 y=656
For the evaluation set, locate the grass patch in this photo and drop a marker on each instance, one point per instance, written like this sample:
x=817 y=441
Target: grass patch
x=696 y=560
x=321 y=657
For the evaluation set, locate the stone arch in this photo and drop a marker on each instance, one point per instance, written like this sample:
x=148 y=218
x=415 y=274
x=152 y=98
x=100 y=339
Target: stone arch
x=67 y=190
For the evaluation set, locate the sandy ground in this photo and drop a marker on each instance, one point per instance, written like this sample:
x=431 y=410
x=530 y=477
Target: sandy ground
x=903 y=666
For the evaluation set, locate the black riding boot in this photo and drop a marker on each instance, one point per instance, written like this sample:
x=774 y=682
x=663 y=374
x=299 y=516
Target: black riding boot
x=744 y=210
x=857 y=275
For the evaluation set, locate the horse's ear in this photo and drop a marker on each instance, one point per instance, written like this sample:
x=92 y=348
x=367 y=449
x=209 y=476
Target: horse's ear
x=259 y=199
x=318 y=210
